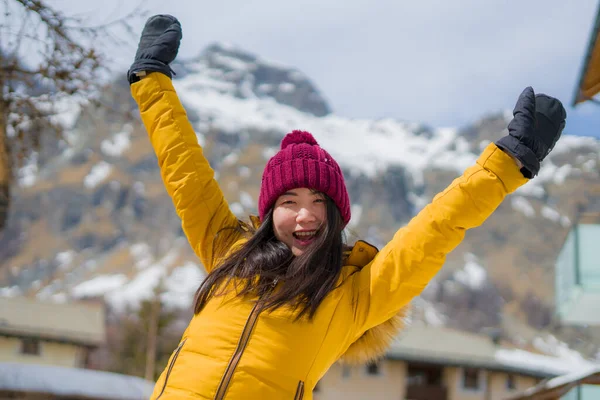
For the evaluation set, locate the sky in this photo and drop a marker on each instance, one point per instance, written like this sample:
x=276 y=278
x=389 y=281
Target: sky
x=437 y=62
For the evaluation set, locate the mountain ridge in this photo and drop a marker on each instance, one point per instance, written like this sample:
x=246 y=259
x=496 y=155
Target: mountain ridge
x=95 y=220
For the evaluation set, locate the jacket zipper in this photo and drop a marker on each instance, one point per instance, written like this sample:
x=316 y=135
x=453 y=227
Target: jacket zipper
x=175 y=355
x=299 y=391
x=237 y=354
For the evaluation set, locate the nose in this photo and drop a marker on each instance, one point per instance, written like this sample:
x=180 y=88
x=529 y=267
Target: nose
x=305 y=215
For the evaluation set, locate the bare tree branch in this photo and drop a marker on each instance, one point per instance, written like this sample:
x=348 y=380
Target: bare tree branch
x=64 y=61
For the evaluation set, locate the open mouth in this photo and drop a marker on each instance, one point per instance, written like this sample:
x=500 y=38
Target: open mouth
x=305 y=237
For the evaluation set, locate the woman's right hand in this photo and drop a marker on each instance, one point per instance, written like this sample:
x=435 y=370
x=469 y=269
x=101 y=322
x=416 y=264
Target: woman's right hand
x=158 y=47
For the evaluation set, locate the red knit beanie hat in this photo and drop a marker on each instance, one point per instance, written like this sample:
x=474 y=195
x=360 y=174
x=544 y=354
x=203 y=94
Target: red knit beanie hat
x=301 y=162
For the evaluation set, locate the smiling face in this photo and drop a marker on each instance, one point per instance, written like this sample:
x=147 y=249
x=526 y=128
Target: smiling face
x=298 y=217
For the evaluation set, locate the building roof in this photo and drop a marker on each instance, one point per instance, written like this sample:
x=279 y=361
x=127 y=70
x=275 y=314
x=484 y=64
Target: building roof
x=72 y=382
x=589 y=79
x=445 y=346
x=81 y=323
x=559 y=386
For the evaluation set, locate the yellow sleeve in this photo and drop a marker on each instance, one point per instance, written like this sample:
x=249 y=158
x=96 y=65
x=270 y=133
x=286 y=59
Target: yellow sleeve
x=186 y=173
x=404 y=267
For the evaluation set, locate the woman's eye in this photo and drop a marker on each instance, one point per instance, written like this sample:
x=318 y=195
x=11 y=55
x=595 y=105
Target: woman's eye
x=320 y=201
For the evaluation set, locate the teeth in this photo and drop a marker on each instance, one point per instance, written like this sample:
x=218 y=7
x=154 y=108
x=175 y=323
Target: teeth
x=305 y=234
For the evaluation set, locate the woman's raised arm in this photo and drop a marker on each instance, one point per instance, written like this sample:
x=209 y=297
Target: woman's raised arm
x=186 y=173
x=404 y=267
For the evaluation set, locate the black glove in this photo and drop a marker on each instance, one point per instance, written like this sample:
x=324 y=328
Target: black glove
x=537 y=124
x=158 y=46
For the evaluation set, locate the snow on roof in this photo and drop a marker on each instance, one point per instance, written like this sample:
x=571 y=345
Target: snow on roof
x=449 y=346
x=572 y=377
x=568 y=381
x=64 y=381
x=543 y=363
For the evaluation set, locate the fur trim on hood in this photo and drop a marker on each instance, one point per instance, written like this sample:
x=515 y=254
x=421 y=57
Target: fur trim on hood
x=375 y=342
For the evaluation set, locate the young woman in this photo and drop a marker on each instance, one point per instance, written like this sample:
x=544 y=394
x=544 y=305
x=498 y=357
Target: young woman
x=284 y=299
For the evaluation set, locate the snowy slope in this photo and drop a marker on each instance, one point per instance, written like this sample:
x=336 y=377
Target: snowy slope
x=236 y=94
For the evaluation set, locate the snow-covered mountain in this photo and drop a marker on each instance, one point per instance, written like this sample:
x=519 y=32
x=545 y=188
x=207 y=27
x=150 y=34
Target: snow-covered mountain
x=94 y=219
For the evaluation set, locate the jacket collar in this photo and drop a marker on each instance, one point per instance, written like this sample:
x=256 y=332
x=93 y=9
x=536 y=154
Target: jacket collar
x=361 y=254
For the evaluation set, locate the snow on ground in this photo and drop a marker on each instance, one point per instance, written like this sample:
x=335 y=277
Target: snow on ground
x=118 y=144
x=120 y=291
x=522 y=205
x=472 y=274
x=65 y=258
x=141 y=254
x=152 y=273
x=389 y=141
x=11 y=291
x=419 y=202
x=67 y=110
x=27 y=175
x=589 y=165
x=550 y=213
x=568 y=143
x=182 y=284
x=140 y=288
x=532 y=188
x=99 y=286
x=98 y=173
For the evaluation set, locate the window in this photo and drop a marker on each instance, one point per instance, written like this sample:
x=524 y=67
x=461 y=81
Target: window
x=510 y=382
x=471 y=379
x=425 y=381
x=424 y=375
x=373 y=369
x=30 y=346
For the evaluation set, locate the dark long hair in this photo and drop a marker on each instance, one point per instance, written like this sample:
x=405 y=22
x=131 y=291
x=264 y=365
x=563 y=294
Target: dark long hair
x=263 y=261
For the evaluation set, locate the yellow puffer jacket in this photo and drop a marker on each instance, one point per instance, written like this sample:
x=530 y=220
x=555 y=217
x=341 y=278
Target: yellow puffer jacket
x=232 y=351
